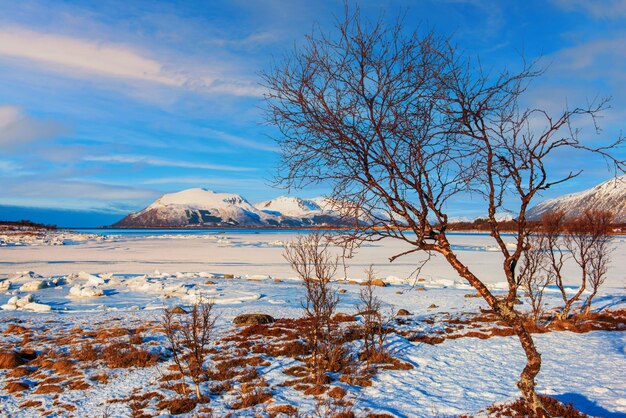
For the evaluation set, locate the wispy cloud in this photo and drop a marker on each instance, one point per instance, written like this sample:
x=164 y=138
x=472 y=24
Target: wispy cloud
x=9 y=167
x=597 y=58
x=238 y=140
x=604 y=9
x=140 y=160
x=16 y=127
x=120 y=61
x=210 y=182
x=71 y=194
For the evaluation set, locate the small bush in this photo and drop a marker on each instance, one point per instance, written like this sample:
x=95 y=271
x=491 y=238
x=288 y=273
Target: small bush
x=252 y=397
x=123 y=355
x=178 y=406
x=519 y=408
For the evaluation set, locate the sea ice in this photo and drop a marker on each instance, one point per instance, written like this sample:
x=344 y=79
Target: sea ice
x=79 y=291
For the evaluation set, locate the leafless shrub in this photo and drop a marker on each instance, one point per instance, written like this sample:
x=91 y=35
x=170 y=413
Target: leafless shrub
x=375 y=328
x=599 y=252
x=534 y=275
x=311 y=258
x=332 y=407
x=584 y=239
x=189 y=336
x=253 y=396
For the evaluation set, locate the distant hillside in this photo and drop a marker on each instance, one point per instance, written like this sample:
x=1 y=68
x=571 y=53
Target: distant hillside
x=205 y=208
x=610 y=195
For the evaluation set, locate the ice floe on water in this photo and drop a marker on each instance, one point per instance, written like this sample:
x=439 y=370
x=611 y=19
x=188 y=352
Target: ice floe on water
x=105 y=291
x=78 y=291
x=54 y=237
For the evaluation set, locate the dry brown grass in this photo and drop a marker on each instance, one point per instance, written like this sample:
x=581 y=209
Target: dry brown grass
x=16 y=386
x=518 y=408
x=86 y=352
x=77 y=384
x=10 y=360
x=315 y=390
x=252 y=397
x=30 y=404
x=285 y=409
x=122 y=355
x=337 y=392
x=65 y=406
x=15 y=329
x=64 y=367
x=178 y=406
x=19 y=372
x=137 y=402
x=486 y=325
x=107 y=333
x=100 y=378
x=168 y=377
x=135 y=339
x=43 y=389
x=178 y=387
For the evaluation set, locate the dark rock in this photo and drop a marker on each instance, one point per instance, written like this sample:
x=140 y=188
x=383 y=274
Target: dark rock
x=253 y=319
x=403 y=312
x=178 y=310
x=375 y=282
x=343 y=317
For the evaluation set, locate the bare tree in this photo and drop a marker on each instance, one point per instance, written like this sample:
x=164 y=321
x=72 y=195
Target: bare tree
x=401 y=124
x=311 y=258
x=189 y=335
x=586 y=238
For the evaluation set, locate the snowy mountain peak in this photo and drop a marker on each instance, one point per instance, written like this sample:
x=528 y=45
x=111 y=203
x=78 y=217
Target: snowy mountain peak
x=199 y=197
x=290 y=206
x=610 y=196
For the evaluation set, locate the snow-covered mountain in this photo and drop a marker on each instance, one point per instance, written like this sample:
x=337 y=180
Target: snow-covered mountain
x=301 y=212
x=201 y=207
x=196 y=207
x=610 y=195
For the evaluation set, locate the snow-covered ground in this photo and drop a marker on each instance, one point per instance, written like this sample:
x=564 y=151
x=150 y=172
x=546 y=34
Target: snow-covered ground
x=130 y=278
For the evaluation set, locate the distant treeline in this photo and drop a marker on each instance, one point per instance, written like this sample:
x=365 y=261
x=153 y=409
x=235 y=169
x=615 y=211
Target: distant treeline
x=482 y=224
x=27 y=223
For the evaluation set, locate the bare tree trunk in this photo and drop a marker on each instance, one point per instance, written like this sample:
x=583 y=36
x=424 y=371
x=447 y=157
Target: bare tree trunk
x=587 y=307
x=526 y=384
x=568 y=303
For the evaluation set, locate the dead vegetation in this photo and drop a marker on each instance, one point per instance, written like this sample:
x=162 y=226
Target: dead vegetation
x=519 y=408
x=237 y=361
x=188 y=336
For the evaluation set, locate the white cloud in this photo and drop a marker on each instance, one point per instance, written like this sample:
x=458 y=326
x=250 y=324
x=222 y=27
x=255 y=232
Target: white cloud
x=133 y=159
x=17 y=127
x=74 y=56
x=605 y=9
x=601 y=56
x=70 y=194
x=9 y=167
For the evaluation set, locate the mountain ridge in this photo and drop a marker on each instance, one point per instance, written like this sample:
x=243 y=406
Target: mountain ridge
x=609 y=195
x=205 y=208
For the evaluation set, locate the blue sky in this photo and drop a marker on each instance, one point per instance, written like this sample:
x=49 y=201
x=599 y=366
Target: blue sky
x=106 y=105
